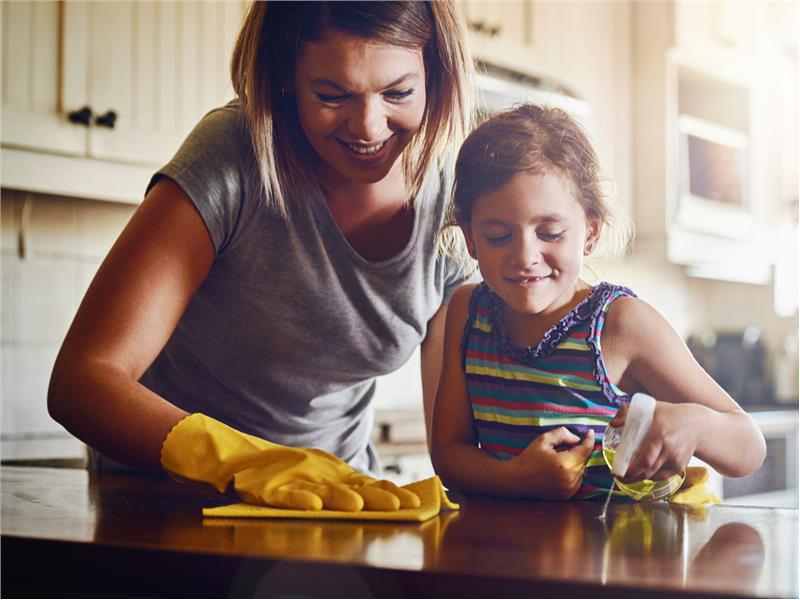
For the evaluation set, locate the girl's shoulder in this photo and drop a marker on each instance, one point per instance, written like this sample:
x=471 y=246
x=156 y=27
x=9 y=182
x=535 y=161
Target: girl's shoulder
x=604 y=294
x=464 y=297
x=461 y=306
x=634 y=322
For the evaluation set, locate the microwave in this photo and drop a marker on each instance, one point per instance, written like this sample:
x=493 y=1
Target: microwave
x=713 y=190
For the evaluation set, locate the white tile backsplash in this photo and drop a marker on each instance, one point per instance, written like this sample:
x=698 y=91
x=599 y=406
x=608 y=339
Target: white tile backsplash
x=51 y=229
x=98 y=226
x=66 y=239
x=10 y=299
x=47 y=299
x=26 y=374
x=8 y=227
x=84 y=273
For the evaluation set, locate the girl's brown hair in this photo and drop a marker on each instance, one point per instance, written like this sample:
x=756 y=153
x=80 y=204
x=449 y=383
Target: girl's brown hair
x=527 y=139
x=262 y=70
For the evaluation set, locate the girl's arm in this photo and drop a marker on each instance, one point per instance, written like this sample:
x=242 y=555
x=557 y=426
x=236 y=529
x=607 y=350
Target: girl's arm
x=431 y=366
x=130 y=310
x=694 y=415
x=540 y=471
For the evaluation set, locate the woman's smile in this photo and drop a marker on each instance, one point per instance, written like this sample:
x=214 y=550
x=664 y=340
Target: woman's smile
x=366 y=154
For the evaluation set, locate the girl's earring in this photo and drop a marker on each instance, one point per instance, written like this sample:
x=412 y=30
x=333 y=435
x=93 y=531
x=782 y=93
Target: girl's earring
x=587 y=250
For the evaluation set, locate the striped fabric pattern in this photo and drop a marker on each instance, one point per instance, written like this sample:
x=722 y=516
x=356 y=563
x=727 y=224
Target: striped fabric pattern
x=518 y=394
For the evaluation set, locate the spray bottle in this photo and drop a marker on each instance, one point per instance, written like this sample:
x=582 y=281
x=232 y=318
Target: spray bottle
x=621 y=444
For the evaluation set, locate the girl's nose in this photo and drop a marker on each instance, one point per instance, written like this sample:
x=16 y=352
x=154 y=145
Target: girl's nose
x=367 y=122
x=525 y=251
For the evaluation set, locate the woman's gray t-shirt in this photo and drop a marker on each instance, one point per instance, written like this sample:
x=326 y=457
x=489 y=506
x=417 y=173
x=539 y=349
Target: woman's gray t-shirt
x=287 y=332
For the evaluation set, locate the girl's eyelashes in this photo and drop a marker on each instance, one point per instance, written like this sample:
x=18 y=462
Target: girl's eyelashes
x=549 y=236
x=545 y=236
x=498 y=240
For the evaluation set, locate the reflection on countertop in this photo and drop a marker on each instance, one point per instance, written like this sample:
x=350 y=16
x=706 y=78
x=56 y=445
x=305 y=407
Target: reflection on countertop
x=108 y=530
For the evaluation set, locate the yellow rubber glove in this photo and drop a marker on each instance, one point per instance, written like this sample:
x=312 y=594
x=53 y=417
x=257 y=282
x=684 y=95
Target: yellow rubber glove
x=200 y=448
x=695 y=489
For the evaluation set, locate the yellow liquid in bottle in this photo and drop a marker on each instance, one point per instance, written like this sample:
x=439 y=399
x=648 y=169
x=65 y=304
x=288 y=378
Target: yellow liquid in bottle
x=646 y=490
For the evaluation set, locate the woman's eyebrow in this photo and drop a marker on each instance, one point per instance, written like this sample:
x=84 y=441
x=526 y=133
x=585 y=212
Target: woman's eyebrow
x=341 y=88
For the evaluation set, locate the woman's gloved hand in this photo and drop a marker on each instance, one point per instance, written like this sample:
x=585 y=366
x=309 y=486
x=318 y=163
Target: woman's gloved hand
x=203 y=449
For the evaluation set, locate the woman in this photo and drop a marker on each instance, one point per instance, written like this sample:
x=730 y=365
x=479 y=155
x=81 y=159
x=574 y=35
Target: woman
x=286 y=255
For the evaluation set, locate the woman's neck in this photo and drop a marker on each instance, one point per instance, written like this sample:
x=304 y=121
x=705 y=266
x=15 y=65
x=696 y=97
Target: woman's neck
x=375 y=218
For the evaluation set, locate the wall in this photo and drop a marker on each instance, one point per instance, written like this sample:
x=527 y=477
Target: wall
x=65 y=240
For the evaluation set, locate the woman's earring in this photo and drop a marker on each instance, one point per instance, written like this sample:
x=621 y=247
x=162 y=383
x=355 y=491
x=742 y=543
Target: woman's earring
x=587 y=250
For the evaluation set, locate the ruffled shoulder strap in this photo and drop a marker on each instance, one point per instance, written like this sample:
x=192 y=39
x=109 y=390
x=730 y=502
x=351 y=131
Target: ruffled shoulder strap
x=609 y=294
x=478 y=301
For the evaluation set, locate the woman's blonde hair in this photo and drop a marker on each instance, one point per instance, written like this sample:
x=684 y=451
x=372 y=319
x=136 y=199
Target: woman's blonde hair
x=262 y=71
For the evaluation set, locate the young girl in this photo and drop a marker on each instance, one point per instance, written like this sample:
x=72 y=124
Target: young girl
x=537 y=362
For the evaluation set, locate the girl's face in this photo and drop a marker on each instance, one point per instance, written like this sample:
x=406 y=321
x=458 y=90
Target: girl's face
x=529 y=238
x=360 y=103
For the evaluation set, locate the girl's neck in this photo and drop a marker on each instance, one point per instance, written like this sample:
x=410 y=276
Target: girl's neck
x=527 y=330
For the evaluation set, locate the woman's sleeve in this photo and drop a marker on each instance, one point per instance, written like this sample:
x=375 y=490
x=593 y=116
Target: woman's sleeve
x=215 y=167
x=456 y=275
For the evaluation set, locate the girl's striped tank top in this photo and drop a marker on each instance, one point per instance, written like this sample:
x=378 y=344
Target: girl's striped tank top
x=520 y=393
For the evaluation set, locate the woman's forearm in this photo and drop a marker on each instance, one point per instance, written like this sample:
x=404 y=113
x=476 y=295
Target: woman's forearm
x=112 y=412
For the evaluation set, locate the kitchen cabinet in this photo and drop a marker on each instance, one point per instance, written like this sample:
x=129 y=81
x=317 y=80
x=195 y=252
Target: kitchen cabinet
x=30 y=76
x=501 y=33
x=116 y=83
x=400 y=440
x=583 y=47
x=544 y=38
x=713 y=26
x=713 y=67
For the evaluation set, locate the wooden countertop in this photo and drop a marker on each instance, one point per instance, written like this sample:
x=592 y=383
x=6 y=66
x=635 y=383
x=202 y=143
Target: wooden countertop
x=67 y=533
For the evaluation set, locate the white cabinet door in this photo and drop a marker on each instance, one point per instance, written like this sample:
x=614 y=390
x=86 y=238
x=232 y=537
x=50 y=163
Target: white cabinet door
x=508 y=21
x=32 y=112
x=157 y=66
x=501 y=32
x=715 y=26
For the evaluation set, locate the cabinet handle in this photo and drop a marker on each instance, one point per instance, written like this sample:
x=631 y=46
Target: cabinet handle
x=107 y=120
x=82 y=116
x=484 y=28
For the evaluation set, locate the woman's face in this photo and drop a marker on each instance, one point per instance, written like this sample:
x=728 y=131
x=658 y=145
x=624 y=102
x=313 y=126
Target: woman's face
x=360 y=103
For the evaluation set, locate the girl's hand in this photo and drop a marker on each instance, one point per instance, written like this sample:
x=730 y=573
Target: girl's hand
x=668 y=445
x=552 y=474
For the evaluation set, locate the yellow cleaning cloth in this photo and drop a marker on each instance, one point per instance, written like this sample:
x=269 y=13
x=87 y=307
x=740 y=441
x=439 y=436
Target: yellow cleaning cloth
x=430 y=491
x=695 y=489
